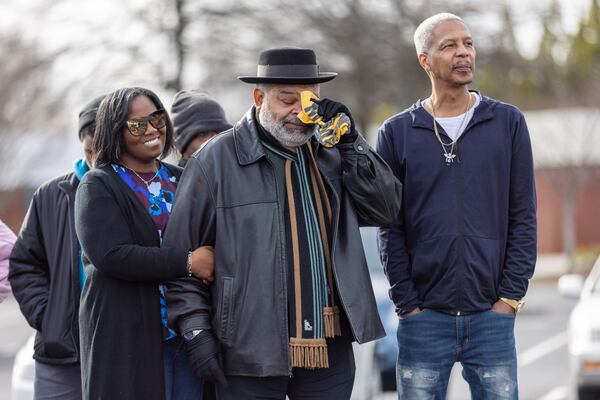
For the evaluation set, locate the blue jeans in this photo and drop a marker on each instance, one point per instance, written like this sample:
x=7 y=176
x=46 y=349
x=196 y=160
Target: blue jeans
x=431 y=342
x=180 y=381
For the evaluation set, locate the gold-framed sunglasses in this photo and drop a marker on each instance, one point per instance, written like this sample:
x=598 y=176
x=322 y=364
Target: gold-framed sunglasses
x=138 y=126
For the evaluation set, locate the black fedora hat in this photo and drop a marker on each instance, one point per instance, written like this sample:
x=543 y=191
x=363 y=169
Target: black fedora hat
x=288 y=65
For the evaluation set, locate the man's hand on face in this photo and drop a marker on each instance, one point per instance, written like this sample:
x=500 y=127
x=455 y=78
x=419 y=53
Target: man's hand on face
x=328 y=109
x=203 y=354
x=502 y=308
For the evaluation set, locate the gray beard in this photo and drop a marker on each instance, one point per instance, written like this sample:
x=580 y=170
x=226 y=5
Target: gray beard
x=277 y=129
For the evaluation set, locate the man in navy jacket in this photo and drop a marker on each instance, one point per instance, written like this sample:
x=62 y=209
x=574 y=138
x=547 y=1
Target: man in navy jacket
x=461 y=252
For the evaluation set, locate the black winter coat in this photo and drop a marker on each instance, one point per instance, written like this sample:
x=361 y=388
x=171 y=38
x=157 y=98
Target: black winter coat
x=121 y=331
x=44 y=271
x=239 y=212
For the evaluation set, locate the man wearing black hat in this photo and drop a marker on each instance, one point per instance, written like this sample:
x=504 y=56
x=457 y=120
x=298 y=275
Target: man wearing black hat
x=291 y=289
x=196 y=118
x=46 y=274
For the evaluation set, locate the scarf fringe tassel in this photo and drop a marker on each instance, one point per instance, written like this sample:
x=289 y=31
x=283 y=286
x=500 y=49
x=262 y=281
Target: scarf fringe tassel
x=331 y=315
x=308 y=353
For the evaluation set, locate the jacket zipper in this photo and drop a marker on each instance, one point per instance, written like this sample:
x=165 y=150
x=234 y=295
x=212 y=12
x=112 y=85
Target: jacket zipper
x=460 y=245
x=459 y=225
x=458 y=276
x=75 y=283
x=459 y=218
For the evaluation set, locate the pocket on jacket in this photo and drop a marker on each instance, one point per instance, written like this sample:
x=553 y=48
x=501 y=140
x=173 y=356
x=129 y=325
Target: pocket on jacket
x=57 y=341
x=431 y=259
x=225 y=312
x=483 y=269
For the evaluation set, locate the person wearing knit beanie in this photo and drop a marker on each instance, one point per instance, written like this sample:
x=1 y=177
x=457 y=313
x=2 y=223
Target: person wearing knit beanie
x=196 y=118
x=86 y=126
x=87 y=115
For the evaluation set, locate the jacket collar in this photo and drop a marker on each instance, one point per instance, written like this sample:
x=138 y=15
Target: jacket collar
x=422 y=119
x=81 y=168
x=246 y=139
x=69 y=183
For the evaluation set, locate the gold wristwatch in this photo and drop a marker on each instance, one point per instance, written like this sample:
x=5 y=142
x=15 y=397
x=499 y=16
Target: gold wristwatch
x=515 y=304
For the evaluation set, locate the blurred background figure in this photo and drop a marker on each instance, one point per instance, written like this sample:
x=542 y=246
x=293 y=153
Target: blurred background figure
x=7 y=241
x=196 y=118
x=46 y=274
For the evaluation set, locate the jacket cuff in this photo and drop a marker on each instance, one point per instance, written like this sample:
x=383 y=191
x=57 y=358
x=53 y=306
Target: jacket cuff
x=193 y=322
x=510 y=294
x=359 y=145
x=182 y=267
x=408 y=307
x=514 y=289
x=174 y=263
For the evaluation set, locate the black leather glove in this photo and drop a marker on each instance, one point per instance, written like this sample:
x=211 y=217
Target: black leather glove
x=203 y=353
x=329 y=109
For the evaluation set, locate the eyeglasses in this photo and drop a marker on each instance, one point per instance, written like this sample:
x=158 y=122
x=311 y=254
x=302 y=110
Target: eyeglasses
x=138 y=126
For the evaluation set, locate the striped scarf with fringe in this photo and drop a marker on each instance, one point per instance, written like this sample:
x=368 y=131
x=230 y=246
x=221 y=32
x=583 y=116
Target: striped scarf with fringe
x=314 y=315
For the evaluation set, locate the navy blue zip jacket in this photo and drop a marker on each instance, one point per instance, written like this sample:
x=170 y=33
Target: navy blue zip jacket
x=466 y=234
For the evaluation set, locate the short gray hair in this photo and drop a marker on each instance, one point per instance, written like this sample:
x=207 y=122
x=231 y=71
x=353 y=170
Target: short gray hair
x=424 y=32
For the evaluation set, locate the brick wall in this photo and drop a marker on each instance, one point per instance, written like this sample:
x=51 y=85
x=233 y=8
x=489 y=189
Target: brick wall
x=550 y=214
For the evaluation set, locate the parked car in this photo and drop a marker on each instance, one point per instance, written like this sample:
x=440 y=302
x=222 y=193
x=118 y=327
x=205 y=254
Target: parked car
x=584 y=332
x=376 y=362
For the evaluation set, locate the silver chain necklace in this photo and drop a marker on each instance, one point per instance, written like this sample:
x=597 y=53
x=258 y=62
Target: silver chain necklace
x=449 y=154
x=147 y=182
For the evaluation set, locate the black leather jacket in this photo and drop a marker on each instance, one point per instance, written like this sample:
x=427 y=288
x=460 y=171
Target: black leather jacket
x=227 y=197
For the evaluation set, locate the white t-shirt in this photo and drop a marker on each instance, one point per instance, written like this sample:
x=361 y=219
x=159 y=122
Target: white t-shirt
x=452 y=125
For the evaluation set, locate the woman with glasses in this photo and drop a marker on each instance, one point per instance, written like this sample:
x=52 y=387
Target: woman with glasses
x=121 y=210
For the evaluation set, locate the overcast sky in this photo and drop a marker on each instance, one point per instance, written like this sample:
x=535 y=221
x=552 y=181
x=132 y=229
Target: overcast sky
x=62 y=21
x=105 y=14
x=528 y=30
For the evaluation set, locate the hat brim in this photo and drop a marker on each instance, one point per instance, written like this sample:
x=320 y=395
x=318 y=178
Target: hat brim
x=323 y=77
